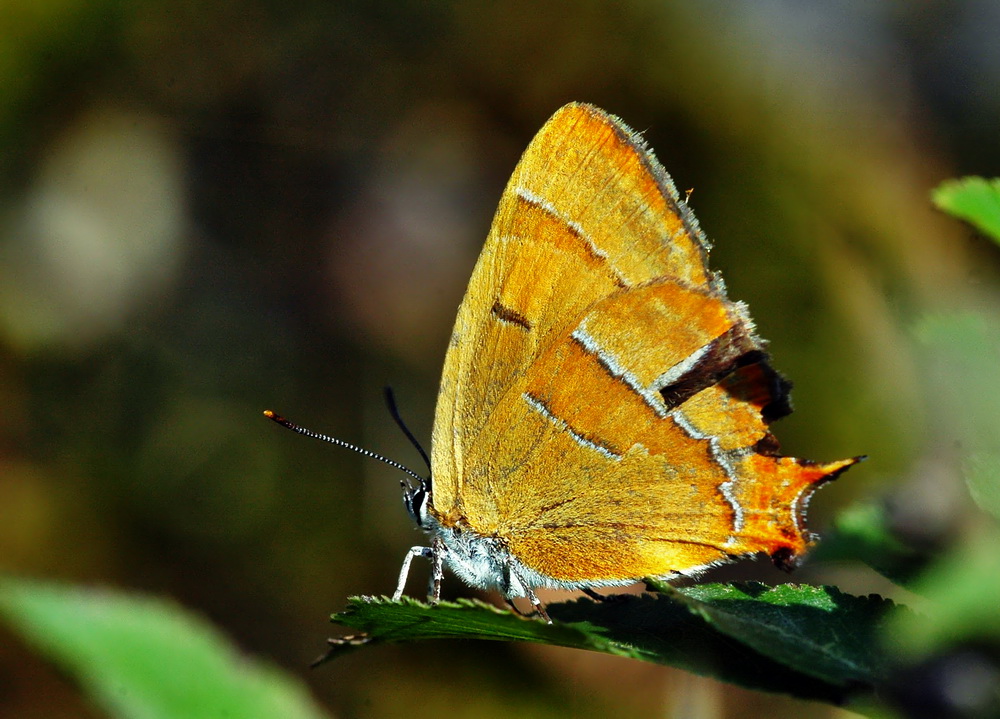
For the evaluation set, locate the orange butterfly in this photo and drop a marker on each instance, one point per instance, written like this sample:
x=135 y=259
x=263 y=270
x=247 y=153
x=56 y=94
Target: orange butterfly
x=604 y=406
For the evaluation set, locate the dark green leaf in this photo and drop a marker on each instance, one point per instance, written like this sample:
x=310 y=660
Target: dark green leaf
x=817 y=630
x=770 y=640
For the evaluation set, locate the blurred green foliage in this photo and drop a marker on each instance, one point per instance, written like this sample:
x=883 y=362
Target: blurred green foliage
x=144 y=657
x=974 y=199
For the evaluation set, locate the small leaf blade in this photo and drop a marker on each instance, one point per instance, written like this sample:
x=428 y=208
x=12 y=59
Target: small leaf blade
x=973 y=199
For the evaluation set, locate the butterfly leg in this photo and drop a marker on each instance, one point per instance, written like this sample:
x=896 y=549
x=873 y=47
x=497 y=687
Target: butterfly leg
x=538 y=612
x=511 y=576
x=426 y=552
x=537 y=604
x=505 y=588
x=437 y=569
x=514 y=608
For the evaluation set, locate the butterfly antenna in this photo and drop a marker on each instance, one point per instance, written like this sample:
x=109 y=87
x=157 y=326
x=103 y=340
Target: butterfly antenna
x=390 y=400
x=341 y=443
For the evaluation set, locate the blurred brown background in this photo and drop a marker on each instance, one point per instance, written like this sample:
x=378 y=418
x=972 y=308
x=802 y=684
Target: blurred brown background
x=209 y=209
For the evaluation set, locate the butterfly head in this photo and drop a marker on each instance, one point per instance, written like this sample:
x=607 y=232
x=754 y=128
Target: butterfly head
x=416 y=498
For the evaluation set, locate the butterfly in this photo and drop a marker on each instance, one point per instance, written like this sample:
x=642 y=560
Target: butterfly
x=604 y=407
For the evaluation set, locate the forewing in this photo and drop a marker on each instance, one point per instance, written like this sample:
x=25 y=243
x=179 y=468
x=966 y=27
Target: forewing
x=588 y=213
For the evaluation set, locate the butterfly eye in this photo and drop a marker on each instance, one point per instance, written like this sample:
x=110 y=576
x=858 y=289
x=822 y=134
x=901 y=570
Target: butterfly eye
x=415 y=500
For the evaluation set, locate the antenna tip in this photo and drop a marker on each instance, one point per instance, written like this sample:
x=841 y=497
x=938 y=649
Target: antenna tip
x=274 y=416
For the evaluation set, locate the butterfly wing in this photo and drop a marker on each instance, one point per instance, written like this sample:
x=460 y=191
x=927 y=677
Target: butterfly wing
x=594 y=278
x=587 y=212
x=630 y=492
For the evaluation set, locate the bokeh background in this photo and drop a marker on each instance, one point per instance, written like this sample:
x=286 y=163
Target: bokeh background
x=212 y=208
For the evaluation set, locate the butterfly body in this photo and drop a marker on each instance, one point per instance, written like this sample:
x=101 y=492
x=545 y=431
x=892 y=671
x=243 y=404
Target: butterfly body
x=604 y=407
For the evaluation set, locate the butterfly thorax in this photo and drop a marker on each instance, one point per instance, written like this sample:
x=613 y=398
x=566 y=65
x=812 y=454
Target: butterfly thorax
x=480 y=561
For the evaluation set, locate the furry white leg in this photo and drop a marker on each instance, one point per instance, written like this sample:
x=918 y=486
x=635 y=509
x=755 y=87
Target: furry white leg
x=525 y=589
x=426 y=552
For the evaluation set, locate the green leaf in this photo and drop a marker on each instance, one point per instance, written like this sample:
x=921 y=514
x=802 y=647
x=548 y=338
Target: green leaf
x=143 y=657
x=863 y=533
x=818 y=630
x=810 y=642
x=974 y=199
